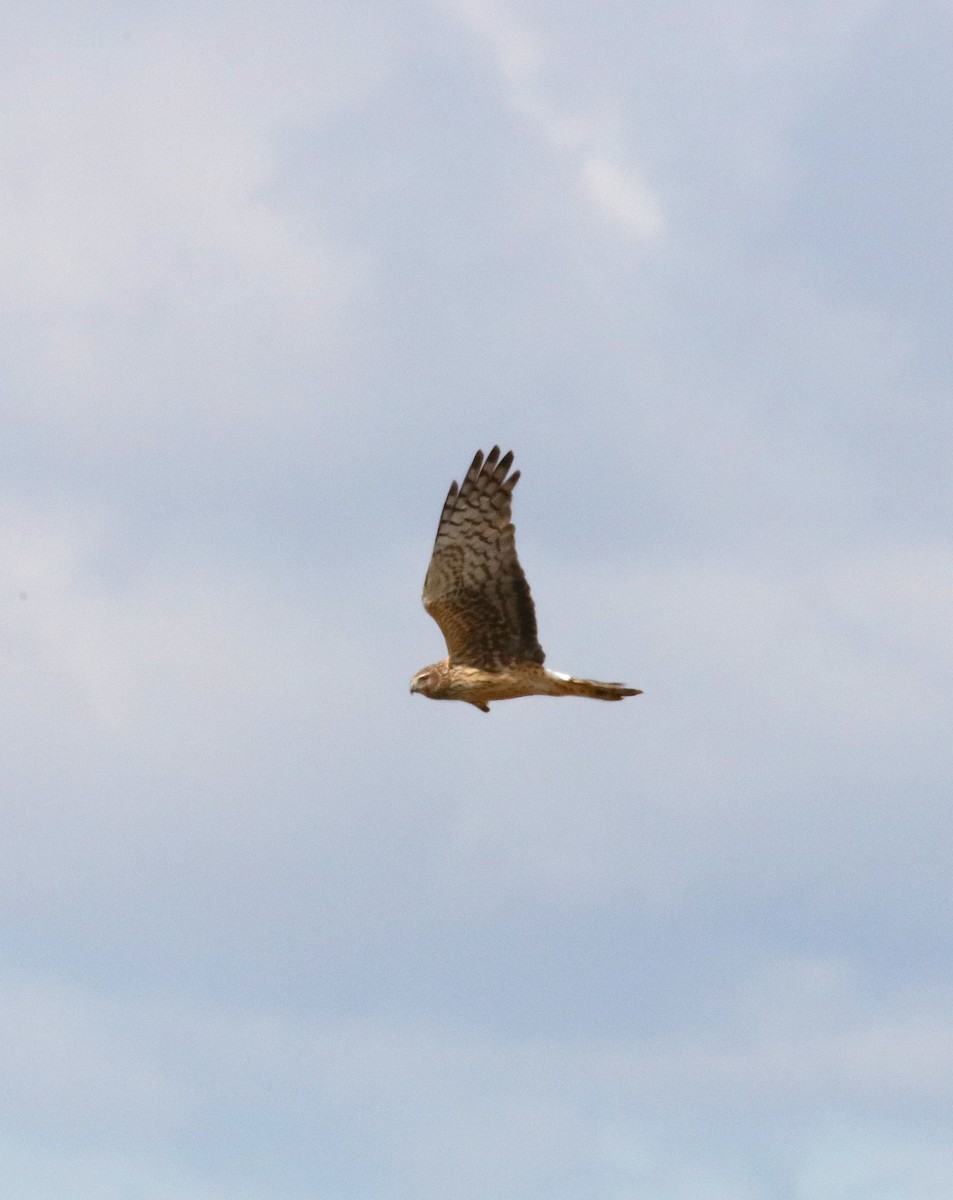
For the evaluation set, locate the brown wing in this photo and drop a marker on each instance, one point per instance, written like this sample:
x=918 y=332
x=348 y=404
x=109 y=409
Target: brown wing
x=475 y=588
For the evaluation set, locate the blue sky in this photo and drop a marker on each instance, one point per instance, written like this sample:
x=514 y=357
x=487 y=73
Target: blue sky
x=273 y=929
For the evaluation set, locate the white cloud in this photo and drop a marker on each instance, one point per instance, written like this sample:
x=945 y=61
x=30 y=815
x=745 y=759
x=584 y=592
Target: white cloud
x=477 y=1113
x=80 y=1064
x=48 y=1173
x=544 y=951
x=854 y=1158
x=519 y=51
x=142 y=214
x=589 y=142
x=622 y=197
x=114 y=652
x=117 y=164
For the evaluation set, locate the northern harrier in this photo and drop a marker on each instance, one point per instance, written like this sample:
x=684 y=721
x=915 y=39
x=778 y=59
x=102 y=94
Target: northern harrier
x=477 y=593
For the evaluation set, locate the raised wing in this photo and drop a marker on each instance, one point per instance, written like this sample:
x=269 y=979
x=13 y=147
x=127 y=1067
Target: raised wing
x=475 y=587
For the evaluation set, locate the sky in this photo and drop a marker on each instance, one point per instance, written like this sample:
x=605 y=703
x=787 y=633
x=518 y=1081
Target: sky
x=271 y=928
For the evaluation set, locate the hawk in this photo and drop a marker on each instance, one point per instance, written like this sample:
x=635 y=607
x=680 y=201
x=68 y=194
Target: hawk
x=477 y=593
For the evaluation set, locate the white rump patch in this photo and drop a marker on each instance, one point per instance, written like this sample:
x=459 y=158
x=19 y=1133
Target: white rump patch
x=559 y=675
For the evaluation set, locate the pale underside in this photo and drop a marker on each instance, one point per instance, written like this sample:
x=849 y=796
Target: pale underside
x=477 y=593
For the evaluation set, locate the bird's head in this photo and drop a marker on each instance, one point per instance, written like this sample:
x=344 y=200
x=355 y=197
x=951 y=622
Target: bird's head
x=430 y=681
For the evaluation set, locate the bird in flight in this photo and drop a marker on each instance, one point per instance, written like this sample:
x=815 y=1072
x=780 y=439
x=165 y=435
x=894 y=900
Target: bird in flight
x=477 y=593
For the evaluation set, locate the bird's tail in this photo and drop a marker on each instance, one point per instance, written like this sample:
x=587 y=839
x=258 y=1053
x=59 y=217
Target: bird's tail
x=568 y=685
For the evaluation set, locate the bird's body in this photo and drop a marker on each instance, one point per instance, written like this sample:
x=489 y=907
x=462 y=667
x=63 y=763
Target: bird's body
x=477 y=593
